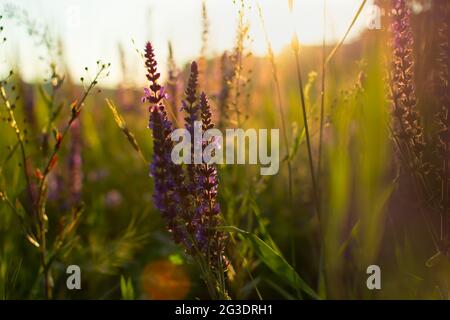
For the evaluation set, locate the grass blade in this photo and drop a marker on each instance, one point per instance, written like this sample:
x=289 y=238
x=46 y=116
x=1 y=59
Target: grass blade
x=274 y=260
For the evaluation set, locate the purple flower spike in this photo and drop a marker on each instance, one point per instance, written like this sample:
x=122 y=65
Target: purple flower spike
x=403 y=90
x=207 y=216
x=186 y=196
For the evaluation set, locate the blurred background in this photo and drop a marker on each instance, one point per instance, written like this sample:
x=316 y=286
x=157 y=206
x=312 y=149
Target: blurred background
x=89 y=29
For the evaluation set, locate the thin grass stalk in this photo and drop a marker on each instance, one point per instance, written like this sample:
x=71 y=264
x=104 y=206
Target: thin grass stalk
x=295 y=47
x=322 y=97
x=205 y=30
x=42 y=193
x=279 y=100
x=321 y=125
x=20 y=139
x=202 y=61
x=341 y=42
x=36 y=215
x=50 y=100
x=225 y=87
x=76 y=109
x=238 y=61
x=296 y=50
x=120 y=122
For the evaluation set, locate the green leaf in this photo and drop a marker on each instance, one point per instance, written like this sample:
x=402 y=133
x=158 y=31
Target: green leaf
x=176 y=259
x=435 y=260
x=274 y=260
x=126 y=288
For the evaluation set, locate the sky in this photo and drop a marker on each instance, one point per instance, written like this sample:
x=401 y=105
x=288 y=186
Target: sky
x=92 y=30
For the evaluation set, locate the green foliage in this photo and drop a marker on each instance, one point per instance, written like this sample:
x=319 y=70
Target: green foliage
x=274 y=260
x=126 y=288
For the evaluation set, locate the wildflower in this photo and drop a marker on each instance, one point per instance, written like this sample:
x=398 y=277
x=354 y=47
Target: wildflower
x=191 y=97
x=155 y=93
x=207 y=218
x=148 y=95
x=403 y=90
x=187 y=199
x=191 y=109
x=169 y=192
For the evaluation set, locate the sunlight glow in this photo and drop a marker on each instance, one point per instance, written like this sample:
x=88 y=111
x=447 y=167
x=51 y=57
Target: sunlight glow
x=95 y=29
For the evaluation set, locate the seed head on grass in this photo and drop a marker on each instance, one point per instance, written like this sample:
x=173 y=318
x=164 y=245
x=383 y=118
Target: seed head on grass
x=223 y=95
x=173 y=83
x=121 y=123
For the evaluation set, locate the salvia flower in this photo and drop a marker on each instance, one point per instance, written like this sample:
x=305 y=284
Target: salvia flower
x=189 y=104
x=167 y=176
x=190 y=107
x=210 y=241
x=409 y=129
x=155 y=93
x=186 y=196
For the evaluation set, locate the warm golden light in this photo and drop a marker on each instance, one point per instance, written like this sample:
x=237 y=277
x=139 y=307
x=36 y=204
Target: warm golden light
x=163 y=279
